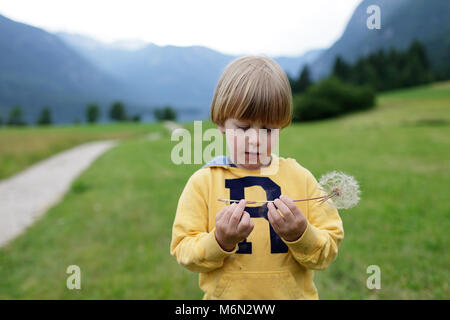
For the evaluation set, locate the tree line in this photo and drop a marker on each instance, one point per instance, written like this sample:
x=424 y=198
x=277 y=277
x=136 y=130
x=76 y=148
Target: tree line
x=352 y=87
x=388 y=70
x=349 y=88
x=117 y=112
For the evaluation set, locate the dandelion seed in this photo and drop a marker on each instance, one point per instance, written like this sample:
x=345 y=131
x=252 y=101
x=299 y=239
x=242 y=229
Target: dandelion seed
x=342 y=188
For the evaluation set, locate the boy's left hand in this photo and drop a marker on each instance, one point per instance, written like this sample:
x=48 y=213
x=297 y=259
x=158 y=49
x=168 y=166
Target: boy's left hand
x=292 y=224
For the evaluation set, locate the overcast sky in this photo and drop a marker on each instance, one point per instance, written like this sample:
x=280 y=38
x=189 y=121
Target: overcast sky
x=273 y=28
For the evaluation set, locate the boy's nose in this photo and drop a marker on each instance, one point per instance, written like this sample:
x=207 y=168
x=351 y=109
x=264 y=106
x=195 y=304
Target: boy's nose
x=253 y=138
x=253 y=141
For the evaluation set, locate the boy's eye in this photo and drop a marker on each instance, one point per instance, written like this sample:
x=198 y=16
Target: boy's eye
x=246 y=128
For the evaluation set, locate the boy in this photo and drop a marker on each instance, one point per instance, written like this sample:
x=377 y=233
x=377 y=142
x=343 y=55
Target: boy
x=260 y=250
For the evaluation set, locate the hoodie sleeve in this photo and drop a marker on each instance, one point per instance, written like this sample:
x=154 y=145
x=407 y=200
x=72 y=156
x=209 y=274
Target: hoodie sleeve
x=193 y=245
x=318 y=245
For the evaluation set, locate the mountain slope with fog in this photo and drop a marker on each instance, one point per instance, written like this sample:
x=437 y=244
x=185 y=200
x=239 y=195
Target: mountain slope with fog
x=37 y=69
x=181 y=76
x=402 y=21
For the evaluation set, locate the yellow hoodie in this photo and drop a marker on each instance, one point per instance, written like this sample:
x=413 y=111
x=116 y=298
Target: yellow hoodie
x=264 y=266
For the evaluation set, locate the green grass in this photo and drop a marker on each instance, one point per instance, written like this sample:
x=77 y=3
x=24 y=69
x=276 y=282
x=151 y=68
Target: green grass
x=116 y=221
x=21 y=147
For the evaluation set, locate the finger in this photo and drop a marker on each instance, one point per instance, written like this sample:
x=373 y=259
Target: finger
x=274 y=217
x=237 y=213
x=287 y=214
x=291 y=205
x=246 y=224
x=252 y=224
x=221 y=213
x=227 y=213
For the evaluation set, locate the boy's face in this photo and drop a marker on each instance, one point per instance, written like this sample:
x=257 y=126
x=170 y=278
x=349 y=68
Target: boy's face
x=249 y=143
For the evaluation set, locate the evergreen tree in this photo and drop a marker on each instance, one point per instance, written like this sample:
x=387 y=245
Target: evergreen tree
x=45 y=117
x=341 y=69
x=414 y=73
x=303 y=82
x=386 y=71
x=291 y=81
x=165 y=113
x=392 y=77
x=117 y=111
x=417 y=49
x=15 y=117
x=92 y=113
x=136 y=118
x=419 y=65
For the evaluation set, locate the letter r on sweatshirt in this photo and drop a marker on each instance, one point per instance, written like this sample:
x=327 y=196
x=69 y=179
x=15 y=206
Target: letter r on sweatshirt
x=273 y=191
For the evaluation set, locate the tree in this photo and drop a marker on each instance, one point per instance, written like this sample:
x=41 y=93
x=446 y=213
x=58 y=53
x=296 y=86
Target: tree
x=330 y=98
x=1 y=121
x=45 y=118
x=92 y=113
x=387 y=70
x=15 y=117
x=418 y=68
x=291 y=81
x=117 y=111
x=303 y=82
x=165 y=113
x=366 y=74
x=341 y=69
x=136 y=118
x=416 y=48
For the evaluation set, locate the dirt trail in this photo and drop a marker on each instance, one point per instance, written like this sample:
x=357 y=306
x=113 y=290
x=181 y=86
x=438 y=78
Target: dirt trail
x=30 y=193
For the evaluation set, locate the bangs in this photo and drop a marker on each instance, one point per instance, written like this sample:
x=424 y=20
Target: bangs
x=262 y=100
x=253 y=89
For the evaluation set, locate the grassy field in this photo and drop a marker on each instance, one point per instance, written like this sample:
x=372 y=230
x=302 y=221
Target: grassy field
x=115 y=223
x=21 y=147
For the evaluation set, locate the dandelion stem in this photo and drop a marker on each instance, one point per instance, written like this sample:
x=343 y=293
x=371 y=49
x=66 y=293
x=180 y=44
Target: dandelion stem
x=325 y=198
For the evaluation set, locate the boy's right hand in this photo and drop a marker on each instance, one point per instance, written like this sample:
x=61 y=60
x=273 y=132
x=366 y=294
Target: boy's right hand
x=233 y=225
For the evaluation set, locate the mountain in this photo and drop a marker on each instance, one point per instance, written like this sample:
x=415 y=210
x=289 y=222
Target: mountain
x=402 y=21
x=38 y=69
x=293 y=65
x=184 y=77
x=67 y=71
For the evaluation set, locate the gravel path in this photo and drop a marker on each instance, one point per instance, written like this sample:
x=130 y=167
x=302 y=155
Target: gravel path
x=172 y=125
x=29 y=194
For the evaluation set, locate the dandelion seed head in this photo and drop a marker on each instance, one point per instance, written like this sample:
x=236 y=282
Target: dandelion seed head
x=345 y=188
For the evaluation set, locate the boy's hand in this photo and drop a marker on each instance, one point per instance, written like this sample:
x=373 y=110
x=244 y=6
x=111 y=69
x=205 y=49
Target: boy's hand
x=233 y=225
x=292 y=224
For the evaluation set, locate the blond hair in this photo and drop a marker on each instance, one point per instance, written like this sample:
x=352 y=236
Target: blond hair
x=253 y=88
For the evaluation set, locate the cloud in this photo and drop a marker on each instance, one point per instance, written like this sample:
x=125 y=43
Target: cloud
x=237 y=27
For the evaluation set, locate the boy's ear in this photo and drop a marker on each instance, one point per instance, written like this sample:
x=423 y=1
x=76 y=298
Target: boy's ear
x=221 y=129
